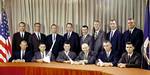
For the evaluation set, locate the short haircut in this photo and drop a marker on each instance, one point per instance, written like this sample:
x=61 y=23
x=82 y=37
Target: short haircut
x=96 y=21
x=37 y=23
x=53 y=25
x=106 y=41
x=85 y=26
x=69 y=24
x=41 y=43
x=22 y=23
x=67 y=42
x=129 y=43
x=113 y=20
x=24 y=41
x=130 y=19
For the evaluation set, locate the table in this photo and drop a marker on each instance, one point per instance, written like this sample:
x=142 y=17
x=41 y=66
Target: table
x=55 y=68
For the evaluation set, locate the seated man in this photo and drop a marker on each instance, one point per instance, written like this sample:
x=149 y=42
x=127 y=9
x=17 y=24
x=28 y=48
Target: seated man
x=86 y=56
x=22 y=55
x=130 y=58
x=66 y=56
x=107 y=57
x=41 y=54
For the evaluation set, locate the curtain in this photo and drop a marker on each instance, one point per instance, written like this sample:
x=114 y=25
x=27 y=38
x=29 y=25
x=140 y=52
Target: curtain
x=78 y=12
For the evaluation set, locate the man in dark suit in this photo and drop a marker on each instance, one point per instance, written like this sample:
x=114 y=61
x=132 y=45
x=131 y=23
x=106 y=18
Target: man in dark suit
x=73 y=37
x=36 y=38
x=114 y=36
x=19 y=36
x=86 y=38
x=134 y=35
x=66 y=56
x=23 y=55
x=40 y=55
x=107 y=58
x=56 y=39
x=86 y=56
x=130 y=58
x=99 y=36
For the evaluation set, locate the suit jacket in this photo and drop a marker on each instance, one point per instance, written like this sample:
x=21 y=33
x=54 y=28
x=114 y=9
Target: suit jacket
x=37 y=55
x=112 y=57
x=88 y=39
x=91 y=57
x=136 y=38
x=17 y=40
x=134 y=61
x=62 y=56
x=116 y=42
x=58 y=46
x=75 y=42
x=34 y=41
x=17 y=55
x=98 y=42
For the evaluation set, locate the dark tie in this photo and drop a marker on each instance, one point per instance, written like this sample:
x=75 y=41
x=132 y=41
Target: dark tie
x=38 y=35
x=68 y=35
x=128 y=59
x=111 y=35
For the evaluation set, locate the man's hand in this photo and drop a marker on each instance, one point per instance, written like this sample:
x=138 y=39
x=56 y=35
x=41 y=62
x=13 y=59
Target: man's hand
x=121 y=65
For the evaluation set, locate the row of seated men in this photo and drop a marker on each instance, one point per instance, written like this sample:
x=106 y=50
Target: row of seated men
x=106 y=58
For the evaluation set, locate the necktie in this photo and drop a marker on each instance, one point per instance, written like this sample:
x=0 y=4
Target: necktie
x=85 y=56
x=95 y=35
x=53 y=37
x=22 y=54
x=23 y=35
x=83 y=37
x=128 y=58
x=42 y=55
x=111 y=35
x=68 y=36
x=38 y=36
x=108 y=55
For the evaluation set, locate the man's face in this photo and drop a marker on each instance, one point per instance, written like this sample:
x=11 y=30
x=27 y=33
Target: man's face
x=42 y=47
x=129 y=48
x=69 y=28
x=23 y=45
x=22 y=27
x=107 y=46
x=67 y=47
x=54 y=29
x=85 y=48
x=97 y=25
x=131 y=24
x=37 y=27
x=84 y=30
x=113 y=25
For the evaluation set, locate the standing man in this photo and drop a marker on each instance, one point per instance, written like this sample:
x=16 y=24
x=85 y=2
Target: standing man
x=99 y=36
x=134 y=35
x=73 y=37
x=19 y=36
x=36 y=38
x=55 y=38
x=114 y=36
x=85 y=37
